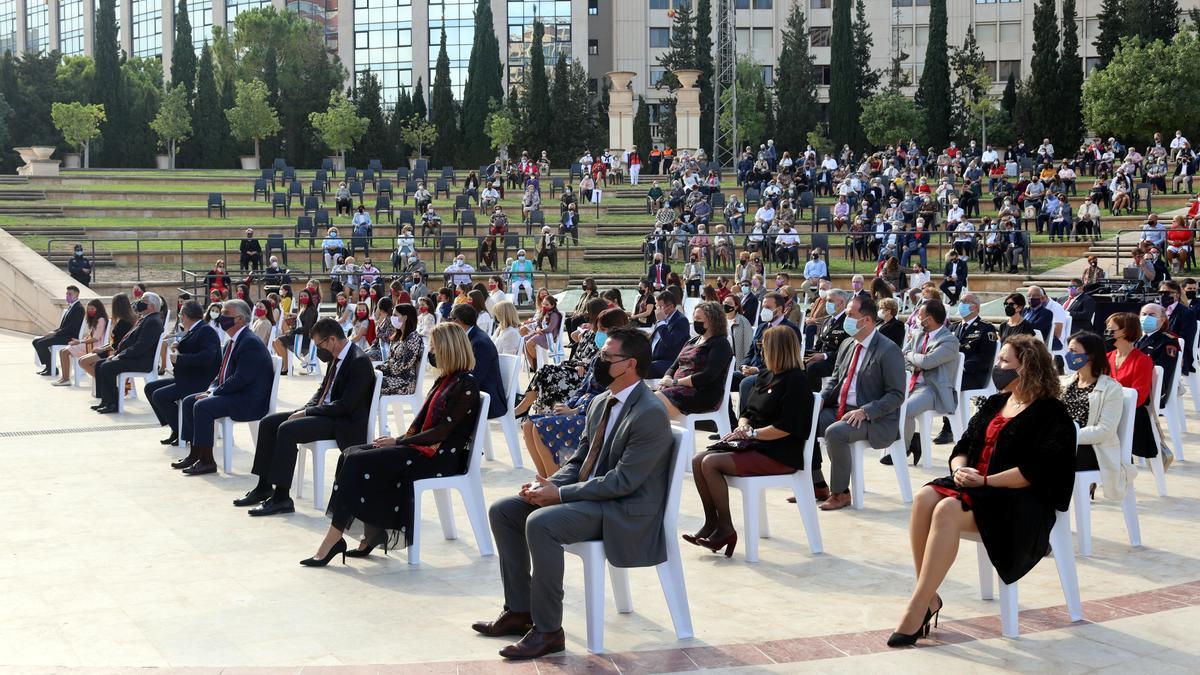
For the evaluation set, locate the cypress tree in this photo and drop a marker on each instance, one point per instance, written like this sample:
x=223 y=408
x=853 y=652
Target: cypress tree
x=965 y=62
x=1044 y=98
x=516 y=111
x=270 y=148
x=441 y=110
x=795 y=85
x=418 y=102
x=537 y=95
x=562 y=134
x=229 y=149
x=682 y=47
x=1008 y=100
x=1070 y=84
x=484 y=85
x=866 y=79
x=704 y=62
x=766 y=102
x=933 y=91
x=1151 y=20
x=843 y=108
x=107 y=82
x=641 y=127
x=400 y=116
x=209 y=126
x=183 y=55
x=375 y=143
x=1112 y=27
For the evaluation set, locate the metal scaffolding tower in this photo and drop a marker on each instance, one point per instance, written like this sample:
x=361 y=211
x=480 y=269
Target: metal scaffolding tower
x=725 y=143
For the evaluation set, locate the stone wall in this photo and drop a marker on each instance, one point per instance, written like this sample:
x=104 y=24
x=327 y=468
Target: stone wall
x=32 y=290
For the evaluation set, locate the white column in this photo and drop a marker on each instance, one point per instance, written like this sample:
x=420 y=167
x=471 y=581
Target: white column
x=22 y=26
x=620 y=112
x=89 y=27
x=218 y=15
x=52 y=24
x=126 y=21
x=345 y=25
x=420 y=48
x=168 y=37
x=687 y=112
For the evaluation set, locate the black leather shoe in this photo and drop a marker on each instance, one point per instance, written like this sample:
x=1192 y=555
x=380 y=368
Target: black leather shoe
x=185 y=462
x=106 y=409
x=508 y=623
x=96 y=406
x=253 y=498
x=170 y=440
x=536 y=644
x=273 y=506
x=946 y=436
x=200 y=468
x=45 y=372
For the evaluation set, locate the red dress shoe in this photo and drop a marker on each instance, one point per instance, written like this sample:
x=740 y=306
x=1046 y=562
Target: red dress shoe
x=536 y=644
x=835 y=502
x=508 y=623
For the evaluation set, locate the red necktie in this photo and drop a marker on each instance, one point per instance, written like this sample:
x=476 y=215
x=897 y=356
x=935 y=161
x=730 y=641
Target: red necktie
x=225 y=362
x=912 y=383
x=1069 y=300
x=658 y=274
x=841 y=411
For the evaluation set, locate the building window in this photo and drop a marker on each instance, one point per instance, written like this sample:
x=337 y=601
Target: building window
x=200 y=16
x=593 y=85
x=555 y=17
x=768 y=76
x=902 y=3
x=819 y=36
x=985 y=33
x=821 y=75
x=70 y=27
x=593 y=7
x=147 y=28
x=758 y=4
x=660 y=37
x=457 y=18
x=994 y=2
x=324 y=13
x=37 y=26
x=1006 y=68
x=759 y=39
x=235 y=7
x=1090 y=64
x=593 y=47
x=1010 y=31
x=819 y=4
x=659 y=4
x=383 y=45
x=656 y=75
x=922 y=35
x=8 y=26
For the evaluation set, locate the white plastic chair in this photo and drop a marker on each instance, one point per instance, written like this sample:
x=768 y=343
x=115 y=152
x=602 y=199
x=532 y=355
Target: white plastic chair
x=55 y=350
x=1156 y=462
x=1061 y=352
x=924 y=421
x=958 y=423
x=76 y=371
x=470 y=488
x=37 y=361
x=303 y=365
x=1084 y=479
x=720 y=416
x=396 y=403
x=319 y=448
x=754 y=497
x=670 y=573
x=510 y=376
x=898 y=451
x=225 y=424
x=1173 y=409
x=552 y=353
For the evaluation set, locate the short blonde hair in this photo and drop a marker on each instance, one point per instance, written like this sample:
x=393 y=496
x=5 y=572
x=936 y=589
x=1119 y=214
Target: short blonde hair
x=890 y=305
x=452 y=348
x=781 y=349
x=506 y=315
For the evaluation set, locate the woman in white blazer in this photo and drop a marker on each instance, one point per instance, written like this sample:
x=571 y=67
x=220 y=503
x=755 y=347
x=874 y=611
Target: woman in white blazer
x=1094 y=400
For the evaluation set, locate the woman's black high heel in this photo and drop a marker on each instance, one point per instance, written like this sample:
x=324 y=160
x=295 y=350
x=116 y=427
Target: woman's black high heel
x=380 y=540
x=910 y=639
x=339 y=547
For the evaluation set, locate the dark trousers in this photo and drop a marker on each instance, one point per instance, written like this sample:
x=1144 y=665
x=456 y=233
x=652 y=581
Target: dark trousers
x=42 y=347
x=199 y=416
x=250 y=261
x=816 y=371
x=106 y=378
x=953 y=290
x=164 y=397
x=278 y=438
x=552 y=254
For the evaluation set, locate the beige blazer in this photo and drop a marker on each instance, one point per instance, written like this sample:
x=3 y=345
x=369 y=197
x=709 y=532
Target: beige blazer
x=1104 y=417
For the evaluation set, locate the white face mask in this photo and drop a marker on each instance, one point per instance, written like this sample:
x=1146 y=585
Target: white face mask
x=766 y=314
x=396 y=322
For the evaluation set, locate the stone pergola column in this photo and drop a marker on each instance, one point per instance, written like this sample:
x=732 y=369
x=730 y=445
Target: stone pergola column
x=620 y=111
x=687 y=112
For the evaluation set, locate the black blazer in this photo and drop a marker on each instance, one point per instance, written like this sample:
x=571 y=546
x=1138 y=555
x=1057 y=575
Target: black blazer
x=138 y=349
x=894 y=331
x=487 y=371
x=671 y=339
x=349 y=399
x=962 y=271
x=198 y=360
x=71 y=323
x=248 y=376
x=754 y=357
x=1082 y=311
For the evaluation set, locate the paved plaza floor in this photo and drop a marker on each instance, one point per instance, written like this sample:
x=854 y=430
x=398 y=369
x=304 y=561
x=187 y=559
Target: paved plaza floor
x=111 y=562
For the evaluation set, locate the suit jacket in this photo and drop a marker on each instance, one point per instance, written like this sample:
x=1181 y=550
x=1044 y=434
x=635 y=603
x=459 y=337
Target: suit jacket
x=349 y=399
x=1182 y=322
x=671 y=339
x=632 y=477
x=138 y=348
x=1082 y=308
x=487 y=371
x=754 y=357
x=71 y=322
x=962 y=272
x=198 y=358
x=249 y=375
x=879 y=387
x=938 y=364
x=977 y=342
x=652 y=275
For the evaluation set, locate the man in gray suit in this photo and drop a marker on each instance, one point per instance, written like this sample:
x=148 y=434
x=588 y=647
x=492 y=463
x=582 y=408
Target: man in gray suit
x=861 y=401
x=931 y=356
x=614 y=488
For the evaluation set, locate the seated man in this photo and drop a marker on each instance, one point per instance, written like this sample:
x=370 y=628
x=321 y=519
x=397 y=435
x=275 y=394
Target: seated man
x=1079 y=305
x=251 y=252
x=656 y=275
x=954 y=278
x=860 y=402
x=134 y=354
x=338 y=411
x=977 y=342
x=819 y=364
x=68 y=329
x=1040 y=316
x=932 y=356
x=487 y=359
x=196 y=357
x=671 y=331
x=240 y=391
x=1160 y=344
x=613 y=488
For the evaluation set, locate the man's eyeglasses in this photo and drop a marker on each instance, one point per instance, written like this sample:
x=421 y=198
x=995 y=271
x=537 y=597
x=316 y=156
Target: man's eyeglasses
x=609 y=358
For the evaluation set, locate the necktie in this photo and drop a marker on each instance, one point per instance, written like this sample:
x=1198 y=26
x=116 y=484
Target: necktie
x=597 y=442
x=328 y=383
x=658 y=273
x=841 y=411
x=225 y=362
x=912 y=383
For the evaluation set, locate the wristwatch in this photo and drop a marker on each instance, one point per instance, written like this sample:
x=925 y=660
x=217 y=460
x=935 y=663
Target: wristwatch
x=753 y=433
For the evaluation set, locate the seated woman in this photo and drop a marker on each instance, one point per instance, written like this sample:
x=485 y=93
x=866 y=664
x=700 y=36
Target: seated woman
x=400 y=368
x=1094 y=401
x=97 y=328
x=507 y=333
x=425 y=316
x=384 y=329
x=374 y=482
x=295 y=338
x=1014 y=305
x=551 y=438
x=546 y=328
x=741 y=330
x=891 y=327
x=642 y=315
x=695 y=383
x=123 y=320
x=362 y=332
x=1012 y=470
x=263 y=322
x=478 y=299
x=553 y=382
x=1134 y=369
x=769 y=440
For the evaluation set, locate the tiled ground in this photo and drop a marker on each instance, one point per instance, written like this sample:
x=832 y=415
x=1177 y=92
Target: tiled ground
x=109 y=560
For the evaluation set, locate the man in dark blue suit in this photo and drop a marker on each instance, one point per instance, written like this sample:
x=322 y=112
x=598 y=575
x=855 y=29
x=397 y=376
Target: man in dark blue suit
x=241 y=390
x=487 y=360
x=954 y=277
x=135 y=353
x=671 y=332
x=196 y=357
x=68 y=329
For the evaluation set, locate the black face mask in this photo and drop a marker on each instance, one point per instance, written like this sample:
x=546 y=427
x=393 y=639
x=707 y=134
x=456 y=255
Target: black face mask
x=1110 y=341
x=1166 y=299
x=603 y=372
x=699 y=327
x=1002 y=377
x=140 y=306
x=226 y=322
x=1191 y=295
x=324 y=355
x=433 y=359
x=1010 y=310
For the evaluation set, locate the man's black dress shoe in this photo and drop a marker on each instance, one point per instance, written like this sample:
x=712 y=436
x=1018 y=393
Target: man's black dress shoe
x=106 y=409
x=45 y=372
x=273 y=506
x=201 y=468
x=536 y=644
x=253 y=498
x=170 y=440
x=96 y=406
x=185 y=462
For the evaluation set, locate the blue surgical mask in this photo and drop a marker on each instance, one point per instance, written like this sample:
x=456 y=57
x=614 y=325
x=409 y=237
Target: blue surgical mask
x=830 y=308
x=1075 y=360
x=1149 y=323
x=964 y=310
x=850 y=325
x=599 y=338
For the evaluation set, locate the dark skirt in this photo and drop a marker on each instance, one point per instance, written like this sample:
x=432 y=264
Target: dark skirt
x=689 y=400
x=375 y=485
x=1144 y=444
x=1085 y=459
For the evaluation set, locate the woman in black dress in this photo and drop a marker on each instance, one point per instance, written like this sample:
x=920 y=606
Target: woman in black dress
x=695 y=383
x=1012 y=470
x=774 y=425
x=891 y=328
x=1014 y=304
x=374 y=482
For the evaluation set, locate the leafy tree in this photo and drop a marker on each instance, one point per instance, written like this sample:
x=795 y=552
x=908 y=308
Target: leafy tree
x=419 y=133
x=819 y=140
x=173 y=124
x=538 y=122
x=500 y=129
x=36 y=88
x=516 y=113
x=866 y=78
x=766 y=102
x=641 y=126
x=79 y=124
x=795 y=85
x=251 y=117
x=339 y=126
x=141 y=92
x=933 y=91
x=272 y=147
x=210 y=123
x=1111 y=20
x=6 y=113
x=442 y=110
x=1070 y=83
x=889 y=116
x=400 y=114
x=681 y=52
x=843 y=106
x=107 y=83
x=1152 y=19
x=183 y=55
x=418 y=101
x=966 y=64
x=751 y=118
x=484 y=85
x=704 y=61
x=561 y=134
x=1044 y=98
x=375 y=143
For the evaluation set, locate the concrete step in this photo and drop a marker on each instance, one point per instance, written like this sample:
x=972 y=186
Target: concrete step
x=30 y=210
x=21 y=195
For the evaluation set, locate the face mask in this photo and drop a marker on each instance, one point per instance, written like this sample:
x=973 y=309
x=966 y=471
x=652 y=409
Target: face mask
x=423 y=310
x=745 y=289
x=1010 y=310
x=241 y=295
x=1002 y=377
x=1149 y=323
x=856 y=285
x=1166 y=299
x=599 y=339
x=823 y=293
x=964 y=311
x=91 y=311
x=226 y=322
x=754 y=283
x=78 y=254
x=140 y=306
x=1191 y=295
x=361 y=315
x=324 y=354
x=137 y=293
x=1034 y=303
x=699 y=327
x=274 y=265
x=765 y=314
x=1072 y=291
x=521 y=257
x=830 y=308
x=850 y=325
x=1075 y=361
x=303 y=300
x=396 y=322
x=603 y=373
x=260 y=312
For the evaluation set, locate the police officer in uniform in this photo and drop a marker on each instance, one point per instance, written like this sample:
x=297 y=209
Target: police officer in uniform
x=822 y=360
x=1161 y=345
x=977 y=341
